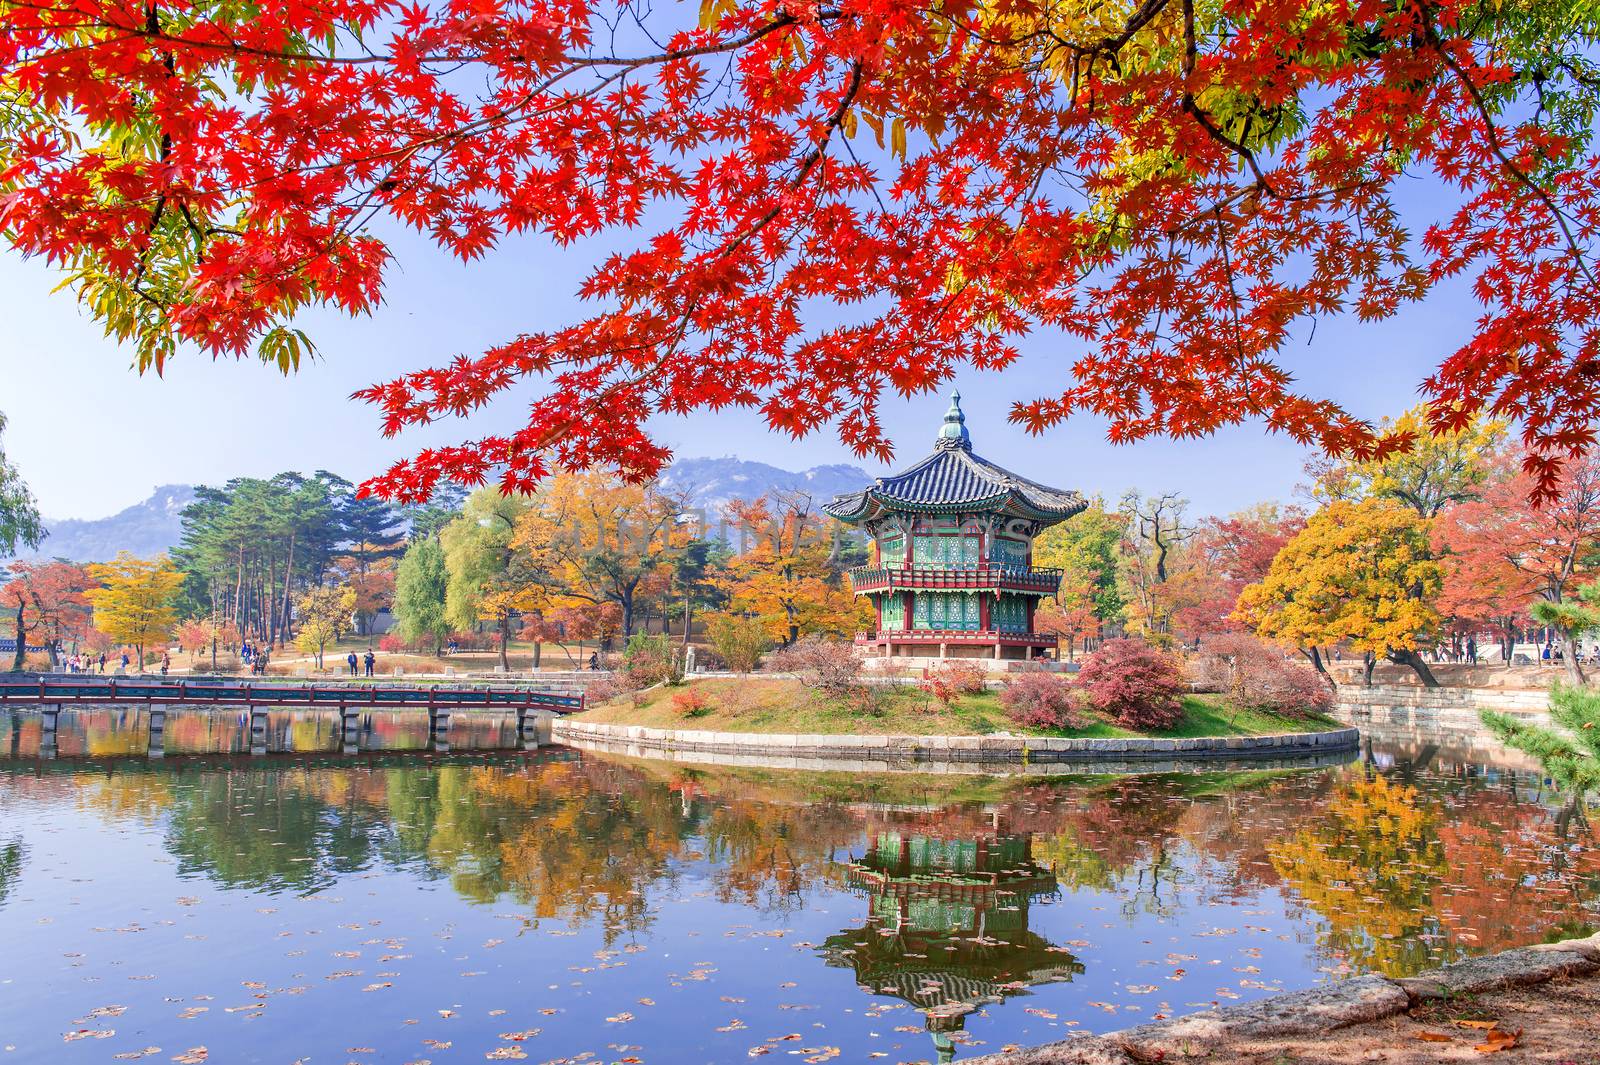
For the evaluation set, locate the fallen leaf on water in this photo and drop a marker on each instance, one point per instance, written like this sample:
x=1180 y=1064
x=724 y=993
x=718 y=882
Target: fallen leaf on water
x=621 y=1018
x=192 y=1056
x=507 y=1054
x=87 y=1033
x=134 y=1055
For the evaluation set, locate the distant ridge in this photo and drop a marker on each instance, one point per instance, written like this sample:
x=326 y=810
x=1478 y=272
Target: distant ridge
x=713 y=483
x=147 y=528
x=154 y=526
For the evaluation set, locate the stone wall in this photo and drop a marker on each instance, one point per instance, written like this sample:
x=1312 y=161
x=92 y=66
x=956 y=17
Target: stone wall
x=1404 y=705
x=995 y=748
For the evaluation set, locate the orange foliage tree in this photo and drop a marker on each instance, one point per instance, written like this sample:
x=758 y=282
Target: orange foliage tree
x=1502 y=552
x=46 y=600
x=787 y=578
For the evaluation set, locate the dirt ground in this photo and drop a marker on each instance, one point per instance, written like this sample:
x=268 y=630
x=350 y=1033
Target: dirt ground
x=1556 y=1022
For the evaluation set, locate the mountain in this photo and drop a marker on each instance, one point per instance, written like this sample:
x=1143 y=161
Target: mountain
x=712 y=483
x=147 y=528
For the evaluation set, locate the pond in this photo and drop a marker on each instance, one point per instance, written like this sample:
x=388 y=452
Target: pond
x=565 y=906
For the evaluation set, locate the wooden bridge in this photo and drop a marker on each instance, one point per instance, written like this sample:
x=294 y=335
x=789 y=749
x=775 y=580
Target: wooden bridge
x=50 y=694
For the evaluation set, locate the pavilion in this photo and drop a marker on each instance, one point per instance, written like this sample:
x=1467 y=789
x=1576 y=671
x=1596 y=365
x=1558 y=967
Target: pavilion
x=952 y=572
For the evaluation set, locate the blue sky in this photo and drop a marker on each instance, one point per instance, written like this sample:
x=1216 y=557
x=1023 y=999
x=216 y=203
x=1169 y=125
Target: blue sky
x=91 y=436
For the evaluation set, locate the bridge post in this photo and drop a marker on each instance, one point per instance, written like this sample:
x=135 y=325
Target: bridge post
x=438 y=721
x=350 y=728
x=533 y=726
x=258 y=730
x=52 y=718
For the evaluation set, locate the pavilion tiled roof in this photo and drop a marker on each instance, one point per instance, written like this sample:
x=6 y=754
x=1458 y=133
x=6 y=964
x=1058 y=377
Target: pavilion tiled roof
x=953 y=478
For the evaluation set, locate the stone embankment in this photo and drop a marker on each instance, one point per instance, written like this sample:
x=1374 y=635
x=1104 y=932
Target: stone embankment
x=1137 y=754
x=1374 y=1018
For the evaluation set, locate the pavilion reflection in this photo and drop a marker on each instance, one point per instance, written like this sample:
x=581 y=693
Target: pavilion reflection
x=947 y=928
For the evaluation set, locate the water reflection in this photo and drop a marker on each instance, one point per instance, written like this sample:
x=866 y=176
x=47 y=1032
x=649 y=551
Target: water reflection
x=896 y=908
x=947 y=930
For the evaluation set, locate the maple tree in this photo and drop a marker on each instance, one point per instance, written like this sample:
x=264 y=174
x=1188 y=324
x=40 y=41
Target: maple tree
x=1138 y=177
x=45 y=600
x=1502 y=553
x=1361 y=574
x=134 y=601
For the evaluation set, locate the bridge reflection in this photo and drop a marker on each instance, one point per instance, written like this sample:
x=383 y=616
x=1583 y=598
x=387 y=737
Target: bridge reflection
x=155 y=733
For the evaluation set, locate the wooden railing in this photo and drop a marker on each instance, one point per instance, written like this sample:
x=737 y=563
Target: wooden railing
x=1004 y=636
x=979 y=576
x=70 y=690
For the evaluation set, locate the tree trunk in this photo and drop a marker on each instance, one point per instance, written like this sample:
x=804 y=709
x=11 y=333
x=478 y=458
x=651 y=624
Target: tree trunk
x=139 y=648
x=238 y=596
x=538 y=652
x=505 y=638
x=1569 y=660
x=1369 y=662
x=1316 y=661
x=1414 y=660
x=22 y=640
x=288 y=583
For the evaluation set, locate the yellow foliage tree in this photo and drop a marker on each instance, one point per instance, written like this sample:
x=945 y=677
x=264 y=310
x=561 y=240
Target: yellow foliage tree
x=596 y=539
x=134 y=604
x=1436 y=471
x=325 y=614
x=1361 y=574
x=787 y=579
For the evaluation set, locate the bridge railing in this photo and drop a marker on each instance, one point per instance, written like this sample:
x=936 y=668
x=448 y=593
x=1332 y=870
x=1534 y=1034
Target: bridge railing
x=68 y=690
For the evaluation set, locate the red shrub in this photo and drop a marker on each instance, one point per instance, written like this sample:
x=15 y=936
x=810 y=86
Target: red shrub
x=691 y=702
x=1257 y=676
x=948 y=681
x=1136 y=685
x=1041 y=700
x=390 y=643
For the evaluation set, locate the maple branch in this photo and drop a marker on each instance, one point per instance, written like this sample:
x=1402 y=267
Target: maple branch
x=1492 y=136
x=1190 y=50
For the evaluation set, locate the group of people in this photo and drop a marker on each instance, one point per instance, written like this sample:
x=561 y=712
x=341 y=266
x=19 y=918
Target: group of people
x=255 y=657
x=369 y=660
x=87 y=663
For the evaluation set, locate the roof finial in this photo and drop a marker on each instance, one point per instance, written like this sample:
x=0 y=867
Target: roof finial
x=953 y=433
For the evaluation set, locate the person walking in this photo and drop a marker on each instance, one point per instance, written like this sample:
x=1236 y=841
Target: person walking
x=371 y=660
x=166 y=662
x=102 y=661
x=1472 y=650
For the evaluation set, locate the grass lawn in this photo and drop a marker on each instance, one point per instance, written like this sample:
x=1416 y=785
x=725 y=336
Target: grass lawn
x=776 y=705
